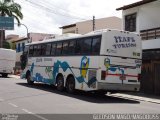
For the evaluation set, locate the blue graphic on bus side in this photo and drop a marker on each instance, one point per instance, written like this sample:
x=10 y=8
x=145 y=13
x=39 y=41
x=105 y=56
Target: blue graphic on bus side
x=65 y=66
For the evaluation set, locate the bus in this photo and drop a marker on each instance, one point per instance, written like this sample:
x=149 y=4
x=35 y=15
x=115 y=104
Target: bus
x=104 y=60
x=7 y=61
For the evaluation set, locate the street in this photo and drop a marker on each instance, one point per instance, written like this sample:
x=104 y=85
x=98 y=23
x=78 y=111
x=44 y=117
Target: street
x=17 y=97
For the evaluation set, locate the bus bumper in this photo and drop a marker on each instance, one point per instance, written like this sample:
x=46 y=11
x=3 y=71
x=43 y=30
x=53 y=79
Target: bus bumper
x=118 y=87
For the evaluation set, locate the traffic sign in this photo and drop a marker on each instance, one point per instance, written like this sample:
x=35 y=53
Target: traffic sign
x=6 y=23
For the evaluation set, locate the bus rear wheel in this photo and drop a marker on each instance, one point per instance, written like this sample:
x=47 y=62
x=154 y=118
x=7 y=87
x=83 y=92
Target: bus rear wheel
x=70 y=85
x=60 y=83
x=28 y=77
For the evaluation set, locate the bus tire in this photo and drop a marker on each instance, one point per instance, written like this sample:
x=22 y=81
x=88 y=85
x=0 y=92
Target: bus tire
x=5 y=75
x=100 y=93
x=28 y=77
x=70 y=85
x=60 y=83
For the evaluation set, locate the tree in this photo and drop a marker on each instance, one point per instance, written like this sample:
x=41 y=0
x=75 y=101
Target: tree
x=6 y=45
x=8 y=8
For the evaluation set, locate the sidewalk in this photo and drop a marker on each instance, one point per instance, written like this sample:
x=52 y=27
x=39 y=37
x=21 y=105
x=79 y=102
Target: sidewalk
x=14 y=76
x=139 y=97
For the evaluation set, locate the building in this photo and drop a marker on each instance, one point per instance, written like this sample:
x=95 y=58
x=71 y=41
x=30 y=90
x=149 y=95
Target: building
x=39 y=36
x=143 y=17
x=87 y=26
x=18 y=43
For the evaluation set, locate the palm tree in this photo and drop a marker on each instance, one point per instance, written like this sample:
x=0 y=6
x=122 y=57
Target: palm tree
x=8 y=8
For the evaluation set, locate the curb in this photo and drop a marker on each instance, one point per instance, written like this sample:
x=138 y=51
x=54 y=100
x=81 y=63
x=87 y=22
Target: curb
x=133 y=97
x=15 y=76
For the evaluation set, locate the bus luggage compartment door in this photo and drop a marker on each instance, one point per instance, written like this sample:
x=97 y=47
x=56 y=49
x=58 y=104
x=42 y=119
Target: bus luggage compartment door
x=119 y=70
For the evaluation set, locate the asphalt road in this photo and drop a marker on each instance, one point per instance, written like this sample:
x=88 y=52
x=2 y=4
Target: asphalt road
x=17 y=97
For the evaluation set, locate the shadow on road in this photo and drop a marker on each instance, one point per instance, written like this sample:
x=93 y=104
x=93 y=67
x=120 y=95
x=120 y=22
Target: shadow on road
x=4 y=77
x=85 y=96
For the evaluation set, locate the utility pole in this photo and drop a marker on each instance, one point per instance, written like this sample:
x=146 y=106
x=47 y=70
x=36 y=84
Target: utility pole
x=93 y=23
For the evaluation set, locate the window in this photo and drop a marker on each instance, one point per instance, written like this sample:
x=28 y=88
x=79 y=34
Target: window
x=59 y=48
x=130 y=22
x=96 y=45
x=18 y=47
x=79 y=45
x=65 y=48
x=48 y=49
x=35 y=50
x=53 y=49
x=43 y=49
x=31 y=51
x=87 y=46
x=38 y=53
x=71 y=47
x=82 y=46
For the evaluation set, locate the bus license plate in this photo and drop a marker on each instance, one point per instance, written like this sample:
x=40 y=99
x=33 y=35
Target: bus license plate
x=122 y=77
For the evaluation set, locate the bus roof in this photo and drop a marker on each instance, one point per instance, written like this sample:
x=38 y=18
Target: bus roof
x=65 y=37
x=62 y=38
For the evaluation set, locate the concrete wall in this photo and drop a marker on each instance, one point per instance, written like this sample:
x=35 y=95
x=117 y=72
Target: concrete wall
x=84 y=27
x=87 y=26
x=110 y=23
x=69 y=30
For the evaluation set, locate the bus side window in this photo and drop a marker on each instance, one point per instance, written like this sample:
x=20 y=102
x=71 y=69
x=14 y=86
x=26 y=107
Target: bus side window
x=79 y=45
x=59 y=48
x=96 y=45
x=65 y=48
x=43 y=49
x=87 y=46
x=30 y=51
x=71 y=47
x=48 y=49
x=38 y=53
x=35 y=50
x=53 y=49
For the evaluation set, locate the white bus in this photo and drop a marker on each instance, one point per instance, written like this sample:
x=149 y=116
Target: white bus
x=7 y=61
x=106 y=60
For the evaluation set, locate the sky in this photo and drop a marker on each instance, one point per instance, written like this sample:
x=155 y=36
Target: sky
x=46 y=16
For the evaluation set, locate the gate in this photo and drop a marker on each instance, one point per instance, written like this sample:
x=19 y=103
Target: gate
x=150 y=81
x=156 y=78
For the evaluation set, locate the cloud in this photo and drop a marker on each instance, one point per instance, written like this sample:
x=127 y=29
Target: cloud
x=53 y=14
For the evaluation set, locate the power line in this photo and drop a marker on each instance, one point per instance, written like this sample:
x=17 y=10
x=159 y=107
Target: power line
x=64 y=10
x=55 y=12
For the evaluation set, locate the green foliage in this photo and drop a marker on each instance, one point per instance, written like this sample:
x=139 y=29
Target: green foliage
x=11 y=9
x=6 y=45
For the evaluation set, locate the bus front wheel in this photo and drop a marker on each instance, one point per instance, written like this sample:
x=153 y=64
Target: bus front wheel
x=70 y=85
x=28 y=77
x=60 y=83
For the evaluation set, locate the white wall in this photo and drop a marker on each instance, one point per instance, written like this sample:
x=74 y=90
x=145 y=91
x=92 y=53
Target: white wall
x=148 y=15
